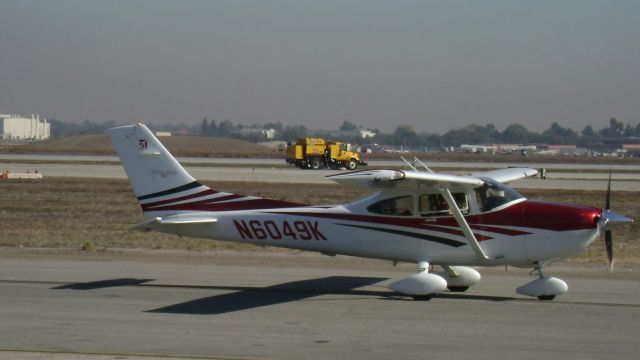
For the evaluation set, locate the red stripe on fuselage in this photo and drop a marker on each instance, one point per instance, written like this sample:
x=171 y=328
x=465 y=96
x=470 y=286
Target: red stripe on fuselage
x=181 y=198
x=526 y=214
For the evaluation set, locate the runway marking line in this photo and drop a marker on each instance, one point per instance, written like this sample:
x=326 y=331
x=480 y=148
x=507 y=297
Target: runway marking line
x=115 y=354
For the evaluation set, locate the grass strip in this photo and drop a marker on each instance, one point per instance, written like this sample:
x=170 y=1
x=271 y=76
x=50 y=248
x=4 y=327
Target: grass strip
x=93 y=214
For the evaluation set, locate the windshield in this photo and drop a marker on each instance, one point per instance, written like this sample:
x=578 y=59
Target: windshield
x=493 y=194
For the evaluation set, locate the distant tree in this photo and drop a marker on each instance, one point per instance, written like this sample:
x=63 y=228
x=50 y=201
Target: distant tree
x=225 y=128
x=431 y=140
x=292 y=133
x=557 y=134
x=456 y=137
x=471 y=134
x=213 y=129
x=517 y=134
x=204 y=128
x=618 y=126
x=406 y=136
x=614 y=130
x=628 y=131
x=637 y=130
x=589 y=136
x=348 y=126
x=588 y=131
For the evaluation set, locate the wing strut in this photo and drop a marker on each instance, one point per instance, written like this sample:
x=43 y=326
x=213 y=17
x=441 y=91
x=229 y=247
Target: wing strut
x=464 y=226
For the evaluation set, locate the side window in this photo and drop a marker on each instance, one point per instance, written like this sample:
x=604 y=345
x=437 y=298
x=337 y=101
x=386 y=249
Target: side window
x=435 y=204
x=400 y=206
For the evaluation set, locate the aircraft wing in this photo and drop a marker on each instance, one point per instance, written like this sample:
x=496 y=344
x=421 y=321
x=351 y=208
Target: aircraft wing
x=180 y=219
x=389 y=179
x=507 y=175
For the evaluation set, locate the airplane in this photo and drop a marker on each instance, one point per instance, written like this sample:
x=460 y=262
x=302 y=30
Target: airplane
x=454 y=222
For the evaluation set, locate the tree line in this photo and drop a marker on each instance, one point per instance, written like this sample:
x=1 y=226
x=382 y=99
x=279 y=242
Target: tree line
x=403 y=135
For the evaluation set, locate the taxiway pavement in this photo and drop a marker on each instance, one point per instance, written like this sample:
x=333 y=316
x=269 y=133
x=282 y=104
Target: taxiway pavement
x=557 y=179
x=298 y=305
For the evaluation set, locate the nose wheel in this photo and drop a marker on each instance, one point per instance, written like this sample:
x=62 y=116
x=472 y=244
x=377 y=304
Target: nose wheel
x=545 y=288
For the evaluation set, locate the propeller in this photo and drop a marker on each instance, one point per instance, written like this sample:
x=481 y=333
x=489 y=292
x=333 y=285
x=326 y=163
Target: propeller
x=608 y=237
x=609 y=218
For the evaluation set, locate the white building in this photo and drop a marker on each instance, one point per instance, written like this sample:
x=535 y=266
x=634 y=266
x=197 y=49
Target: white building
x=17 y=128
x=269 y=134
x=468 y=148
x=367 y=134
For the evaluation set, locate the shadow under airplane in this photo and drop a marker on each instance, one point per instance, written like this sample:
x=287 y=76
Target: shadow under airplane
x=101 y=284
x=249 y=298
x=244 y=298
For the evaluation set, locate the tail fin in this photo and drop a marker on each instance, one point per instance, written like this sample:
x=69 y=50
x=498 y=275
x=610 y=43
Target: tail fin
x=162 y=184
x=153 y=172
x=151 y=169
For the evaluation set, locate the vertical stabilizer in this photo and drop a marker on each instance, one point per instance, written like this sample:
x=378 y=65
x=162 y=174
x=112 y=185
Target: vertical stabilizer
x=162 y=185
x=150 y=167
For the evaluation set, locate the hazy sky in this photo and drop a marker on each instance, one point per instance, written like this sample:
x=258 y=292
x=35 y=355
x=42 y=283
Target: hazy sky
x=435 y=65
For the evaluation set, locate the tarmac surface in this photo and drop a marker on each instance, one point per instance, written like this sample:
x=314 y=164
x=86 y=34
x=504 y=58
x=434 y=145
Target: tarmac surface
x=578 y=179
x=274 y=161
x=61 y=304
x=289 y=305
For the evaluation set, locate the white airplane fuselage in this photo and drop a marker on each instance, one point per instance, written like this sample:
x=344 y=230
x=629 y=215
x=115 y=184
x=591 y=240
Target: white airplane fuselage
x=521 y=232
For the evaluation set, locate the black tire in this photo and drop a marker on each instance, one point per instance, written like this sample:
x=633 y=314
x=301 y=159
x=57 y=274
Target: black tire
x=422 y=297
x=315 y=163
x=458 y=288
x=352 y=164
x=546 y=297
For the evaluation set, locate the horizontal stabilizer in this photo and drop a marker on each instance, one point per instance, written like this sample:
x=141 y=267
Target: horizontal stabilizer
x=158 y=222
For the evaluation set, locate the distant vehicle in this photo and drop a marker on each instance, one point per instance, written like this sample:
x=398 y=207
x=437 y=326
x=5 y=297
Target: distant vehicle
x=414 y=216
x=317 y=153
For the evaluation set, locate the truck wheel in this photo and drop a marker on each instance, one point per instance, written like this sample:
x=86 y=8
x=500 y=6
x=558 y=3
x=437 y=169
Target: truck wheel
x=352 y=164
x=316 y=163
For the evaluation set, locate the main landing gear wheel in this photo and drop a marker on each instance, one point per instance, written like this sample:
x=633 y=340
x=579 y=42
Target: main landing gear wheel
x=546 y=297
x=422 y=285
x=458 y=288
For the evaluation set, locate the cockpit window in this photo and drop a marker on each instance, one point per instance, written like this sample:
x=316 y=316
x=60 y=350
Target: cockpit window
x=399 y=206
x=435 y=204
x=493 y=194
